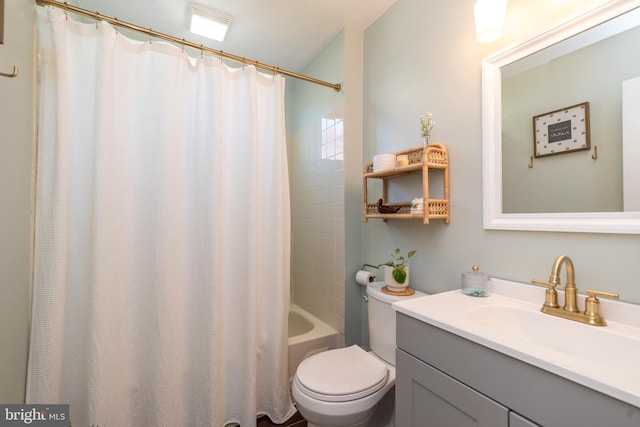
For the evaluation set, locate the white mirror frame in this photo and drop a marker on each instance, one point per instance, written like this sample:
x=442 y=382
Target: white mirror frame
x=494 y=218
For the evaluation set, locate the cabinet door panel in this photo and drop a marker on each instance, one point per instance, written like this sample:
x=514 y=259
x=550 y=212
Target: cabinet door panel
x=517 y=420
x=425 y=397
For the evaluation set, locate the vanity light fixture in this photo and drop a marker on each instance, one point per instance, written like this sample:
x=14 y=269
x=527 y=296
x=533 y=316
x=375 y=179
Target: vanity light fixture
x=489 y=16
x=208 y=22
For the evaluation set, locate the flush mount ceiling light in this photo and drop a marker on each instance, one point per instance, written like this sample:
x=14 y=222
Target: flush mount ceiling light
x=489 y=15
x=208 y=22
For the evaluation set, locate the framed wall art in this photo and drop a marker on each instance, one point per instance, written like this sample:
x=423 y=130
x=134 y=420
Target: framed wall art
x=561 y=131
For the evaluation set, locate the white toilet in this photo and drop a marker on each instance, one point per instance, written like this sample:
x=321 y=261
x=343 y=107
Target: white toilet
x=346 y=386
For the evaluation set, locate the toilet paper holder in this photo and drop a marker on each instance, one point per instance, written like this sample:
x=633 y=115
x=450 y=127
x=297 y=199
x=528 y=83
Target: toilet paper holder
x=368 y=265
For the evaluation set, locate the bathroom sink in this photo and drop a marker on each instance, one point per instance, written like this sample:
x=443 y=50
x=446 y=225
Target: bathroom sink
x=604 y=358
x=584 y=343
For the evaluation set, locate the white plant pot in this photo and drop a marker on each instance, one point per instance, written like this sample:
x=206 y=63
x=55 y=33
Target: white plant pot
x=391 y=282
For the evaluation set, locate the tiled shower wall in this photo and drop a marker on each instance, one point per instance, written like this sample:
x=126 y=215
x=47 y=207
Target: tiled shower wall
x=317 y=204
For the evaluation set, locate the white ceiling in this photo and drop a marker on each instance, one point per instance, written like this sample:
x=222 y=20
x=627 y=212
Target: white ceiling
x=282 y=33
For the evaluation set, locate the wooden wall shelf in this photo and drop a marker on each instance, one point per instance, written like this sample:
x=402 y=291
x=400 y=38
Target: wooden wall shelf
x=434 y=158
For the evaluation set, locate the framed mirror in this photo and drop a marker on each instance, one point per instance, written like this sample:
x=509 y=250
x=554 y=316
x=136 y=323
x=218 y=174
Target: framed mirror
x=1 y=21
x=590 y=60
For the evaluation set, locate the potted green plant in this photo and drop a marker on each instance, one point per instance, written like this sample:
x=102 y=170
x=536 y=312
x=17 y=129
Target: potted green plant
x=396 y=273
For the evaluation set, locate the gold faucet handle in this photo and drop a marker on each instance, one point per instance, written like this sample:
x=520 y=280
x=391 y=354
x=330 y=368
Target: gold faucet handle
x=596 y=294
x=592 y=305
x=550 y=296
x=551 y=285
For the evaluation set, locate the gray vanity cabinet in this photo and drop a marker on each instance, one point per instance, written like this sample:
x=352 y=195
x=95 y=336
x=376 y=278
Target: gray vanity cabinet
x=445 y=380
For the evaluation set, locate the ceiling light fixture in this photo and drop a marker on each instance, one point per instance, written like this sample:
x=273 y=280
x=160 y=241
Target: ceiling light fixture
x=489 y=16
x=208 y=22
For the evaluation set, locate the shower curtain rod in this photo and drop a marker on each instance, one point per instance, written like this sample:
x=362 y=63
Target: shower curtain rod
x=118 y=23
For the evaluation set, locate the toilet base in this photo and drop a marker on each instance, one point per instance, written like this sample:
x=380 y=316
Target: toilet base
x=322 y=420
x=381 y=415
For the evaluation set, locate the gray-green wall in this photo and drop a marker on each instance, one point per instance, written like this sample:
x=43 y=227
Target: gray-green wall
x=16 y=151
x=423 y=56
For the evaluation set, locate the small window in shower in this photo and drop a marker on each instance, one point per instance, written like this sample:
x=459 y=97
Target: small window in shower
x=332 y=134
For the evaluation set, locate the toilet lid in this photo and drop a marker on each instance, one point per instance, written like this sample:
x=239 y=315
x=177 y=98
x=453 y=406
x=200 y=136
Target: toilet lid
x=340 y=375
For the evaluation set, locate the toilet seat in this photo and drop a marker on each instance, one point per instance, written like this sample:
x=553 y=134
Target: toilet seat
x=341 y=375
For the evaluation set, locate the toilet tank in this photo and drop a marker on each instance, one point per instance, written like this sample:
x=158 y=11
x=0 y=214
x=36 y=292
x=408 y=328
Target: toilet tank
x=382 y=321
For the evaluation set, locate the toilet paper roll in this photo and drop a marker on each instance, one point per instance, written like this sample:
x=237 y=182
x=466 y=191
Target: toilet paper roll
x=364 y=277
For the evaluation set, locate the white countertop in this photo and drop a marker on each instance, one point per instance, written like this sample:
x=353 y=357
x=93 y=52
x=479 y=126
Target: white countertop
x=604 y=358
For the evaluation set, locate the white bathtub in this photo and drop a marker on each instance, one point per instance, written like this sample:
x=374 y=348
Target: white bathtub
x=308 y=335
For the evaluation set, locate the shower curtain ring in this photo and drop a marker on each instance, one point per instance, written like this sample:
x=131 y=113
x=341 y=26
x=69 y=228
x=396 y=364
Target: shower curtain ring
x=150 y=34
x=273 y=76
x=201 y=52
x=97 y=17
x=66 y=15
x=117 y=24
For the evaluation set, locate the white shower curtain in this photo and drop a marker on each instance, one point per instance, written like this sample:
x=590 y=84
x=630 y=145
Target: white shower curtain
x=161 y=271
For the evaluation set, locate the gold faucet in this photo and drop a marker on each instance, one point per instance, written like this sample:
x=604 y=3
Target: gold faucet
x=570 y=310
